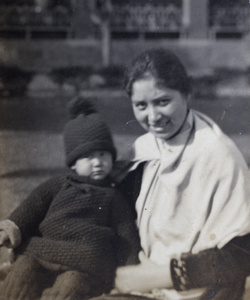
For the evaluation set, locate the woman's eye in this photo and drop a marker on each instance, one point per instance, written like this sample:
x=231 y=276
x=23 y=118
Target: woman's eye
x=140 y=105
x=163 y=102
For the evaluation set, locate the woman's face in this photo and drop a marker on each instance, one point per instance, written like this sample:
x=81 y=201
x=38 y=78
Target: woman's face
x=160 y=111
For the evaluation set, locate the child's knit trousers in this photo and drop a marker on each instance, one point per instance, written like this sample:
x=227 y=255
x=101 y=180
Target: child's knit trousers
x=29 y=280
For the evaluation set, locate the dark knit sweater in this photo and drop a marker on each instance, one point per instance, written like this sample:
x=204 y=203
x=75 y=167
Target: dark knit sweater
x=77 y=222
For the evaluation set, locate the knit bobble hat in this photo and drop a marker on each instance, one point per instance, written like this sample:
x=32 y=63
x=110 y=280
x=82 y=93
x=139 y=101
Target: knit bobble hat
x=85 y=132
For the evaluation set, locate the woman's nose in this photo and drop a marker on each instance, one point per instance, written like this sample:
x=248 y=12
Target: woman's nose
x=153 y=115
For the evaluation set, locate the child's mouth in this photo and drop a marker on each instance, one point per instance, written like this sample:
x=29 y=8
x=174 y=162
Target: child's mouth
x=98 y=173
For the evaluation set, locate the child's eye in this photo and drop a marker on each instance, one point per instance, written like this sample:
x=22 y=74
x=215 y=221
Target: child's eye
x=88 y=156
x=84 y=157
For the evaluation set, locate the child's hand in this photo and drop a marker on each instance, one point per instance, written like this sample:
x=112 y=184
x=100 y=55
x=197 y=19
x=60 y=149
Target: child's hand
x=4 y=239
x=10 y=235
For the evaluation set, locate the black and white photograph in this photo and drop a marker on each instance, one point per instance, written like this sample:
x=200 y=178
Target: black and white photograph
x=124 y=149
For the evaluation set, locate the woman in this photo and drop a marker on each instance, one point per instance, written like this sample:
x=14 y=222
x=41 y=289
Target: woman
x=189 y=184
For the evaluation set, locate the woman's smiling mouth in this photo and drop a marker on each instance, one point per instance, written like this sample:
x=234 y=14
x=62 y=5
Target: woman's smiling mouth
x=159 y=127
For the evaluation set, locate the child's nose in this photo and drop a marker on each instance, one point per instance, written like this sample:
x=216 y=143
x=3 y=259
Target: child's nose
x=96 y=161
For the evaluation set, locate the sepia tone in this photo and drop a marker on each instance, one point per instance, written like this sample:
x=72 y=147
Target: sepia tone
x=51 y=51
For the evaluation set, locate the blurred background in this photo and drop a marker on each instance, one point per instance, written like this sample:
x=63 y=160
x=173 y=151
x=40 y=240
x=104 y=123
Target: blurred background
x=52 y=50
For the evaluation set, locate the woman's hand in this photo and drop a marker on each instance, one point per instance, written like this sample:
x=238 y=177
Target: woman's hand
x=143 y=277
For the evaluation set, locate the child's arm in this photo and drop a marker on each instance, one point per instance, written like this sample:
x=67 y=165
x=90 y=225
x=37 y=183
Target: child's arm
x=10 y=235
x=29 y=214
x=123 y=218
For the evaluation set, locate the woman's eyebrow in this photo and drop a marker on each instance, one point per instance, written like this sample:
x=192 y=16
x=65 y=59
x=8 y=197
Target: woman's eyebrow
x=137 y=100
x=165 y=97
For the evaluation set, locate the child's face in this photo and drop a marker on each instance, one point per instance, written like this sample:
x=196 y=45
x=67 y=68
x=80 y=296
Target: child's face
x=97 y=165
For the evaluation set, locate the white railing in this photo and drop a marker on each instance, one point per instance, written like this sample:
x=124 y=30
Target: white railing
x=229 y=19
x=27 y=21
x=146 y=18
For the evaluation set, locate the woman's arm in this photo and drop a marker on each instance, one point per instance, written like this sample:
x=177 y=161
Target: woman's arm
x=130 y=186
x=144 y=277
x=207 y=268
x=123 y=223
x=210 y=267
x=213 y=266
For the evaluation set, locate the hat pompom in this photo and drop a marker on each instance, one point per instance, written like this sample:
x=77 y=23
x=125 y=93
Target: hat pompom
x=80 y=105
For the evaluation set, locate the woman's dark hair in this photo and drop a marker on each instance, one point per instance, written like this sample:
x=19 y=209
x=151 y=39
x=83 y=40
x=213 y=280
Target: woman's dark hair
x=162 y=65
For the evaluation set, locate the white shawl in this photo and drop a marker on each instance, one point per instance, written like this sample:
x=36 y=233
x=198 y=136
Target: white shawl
x=194 y=193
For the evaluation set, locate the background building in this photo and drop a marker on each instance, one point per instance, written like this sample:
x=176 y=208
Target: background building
x=44 y=34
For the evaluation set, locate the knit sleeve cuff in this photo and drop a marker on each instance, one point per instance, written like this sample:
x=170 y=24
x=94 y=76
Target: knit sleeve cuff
x=179 y=274
x=196 y=270
x=210 y=267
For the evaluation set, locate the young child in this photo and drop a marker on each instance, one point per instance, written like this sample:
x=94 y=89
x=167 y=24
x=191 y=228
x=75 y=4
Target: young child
x=73 y=231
